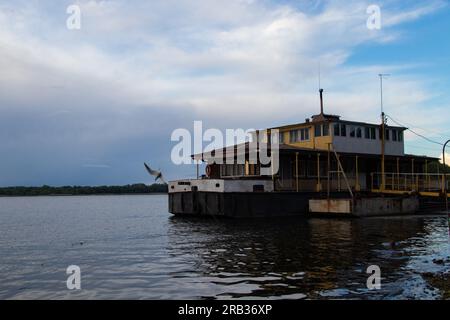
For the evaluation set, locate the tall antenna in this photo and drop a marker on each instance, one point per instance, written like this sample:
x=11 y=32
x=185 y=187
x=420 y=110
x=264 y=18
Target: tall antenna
x=383 y=133
x=382 y=75
x=319 y=77
x=321 y=93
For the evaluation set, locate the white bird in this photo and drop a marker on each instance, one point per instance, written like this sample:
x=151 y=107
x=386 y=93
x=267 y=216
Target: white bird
x=156 y=174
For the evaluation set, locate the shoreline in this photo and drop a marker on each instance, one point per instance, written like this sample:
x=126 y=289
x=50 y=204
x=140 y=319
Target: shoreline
x=83 y=195
x=45 y=190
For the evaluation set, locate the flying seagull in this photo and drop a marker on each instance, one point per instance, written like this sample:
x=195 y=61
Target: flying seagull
x=156 y=174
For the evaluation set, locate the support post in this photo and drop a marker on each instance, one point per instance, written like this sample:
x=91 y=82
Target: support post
x=338 y=172
x=271 y=167
x=328 y=170
x=398 y=173
x=445 y=182
x=383 y=133
x=296 y=170
x=383 y=144
x=319 y=186
x=197 y=170
x=341 y=169
x=357 y=186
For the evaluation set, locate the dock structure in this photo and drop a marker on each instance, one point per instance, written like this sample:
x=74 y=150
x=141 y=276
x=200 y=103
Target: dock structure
x=326 y=165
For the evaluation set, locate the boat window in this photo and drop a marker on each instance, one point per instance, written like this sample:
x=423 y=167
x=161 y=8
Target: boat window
x=306 y=133
x=232 y=170
x=394 y=135
x=343 y=130
x=337 y=131
x=281 y=137
x=352 y=132
x=326 y=129
x=299 y=135
x=293 y=136
x=318 y=130
x=367 y=132
x=373 y=134
x=386 y=135
x=358 y=133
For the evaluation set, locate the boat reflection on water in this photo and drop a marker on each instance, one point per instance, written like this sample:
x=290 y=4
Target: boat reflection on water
x=308 y=258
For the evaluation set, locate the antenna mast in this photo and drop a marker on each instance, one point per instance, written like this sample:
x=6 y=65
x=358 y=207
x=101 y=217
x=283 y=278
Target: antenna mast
x=321 y=93
x=319 y=76
x=383 y=133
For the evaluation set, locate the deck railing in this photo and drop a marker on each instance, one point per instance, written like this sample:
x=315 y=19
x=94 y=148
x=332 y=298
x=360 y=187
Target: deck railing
x=411 y=182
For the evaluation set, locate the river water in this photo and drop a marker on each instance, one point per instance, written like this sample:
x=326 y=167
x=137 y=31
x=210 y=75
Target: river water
x=130 y=247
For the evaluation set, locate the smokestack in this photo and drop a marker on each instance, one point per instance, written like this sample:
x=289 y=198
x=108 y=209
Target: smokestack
x=321 y=101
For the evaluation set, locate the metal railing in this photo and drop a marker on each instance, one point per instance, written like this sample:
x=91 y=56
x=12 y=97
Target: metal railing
x=411 y=182
x=340 y=182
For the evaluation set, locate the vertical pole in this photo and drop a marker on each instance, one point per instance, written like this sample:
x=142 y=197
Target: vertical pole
x=338 y=172
x=383 y=137
x=383 y=133
x=381 y=91
x=426 y=175
x=318 y=173
x=328 y=170
x=398 y=173
x=296 y=170
x=197 y=170
x=445 y=184
x=412 y=176
x=357 y=187
x=271 y=166
x=393 y=181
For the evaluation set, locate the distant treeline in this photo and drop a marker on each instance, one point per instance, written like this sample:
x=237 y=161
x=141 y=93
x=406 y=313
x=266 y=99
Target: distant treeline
x=80 y=190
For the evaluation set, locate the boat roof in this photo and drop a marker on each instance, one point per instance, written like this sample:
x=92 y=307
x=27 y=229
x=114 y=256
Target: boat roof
x=243 y=148
x=349 y=122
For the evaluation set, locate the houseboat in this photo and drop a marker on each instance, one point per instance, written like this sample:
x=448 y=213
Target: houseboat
x=327 y=165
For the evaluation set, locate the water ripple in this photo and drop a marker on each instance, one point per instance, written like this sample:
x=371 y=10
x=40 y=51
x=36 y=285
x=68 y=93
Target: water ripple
x=129 y=247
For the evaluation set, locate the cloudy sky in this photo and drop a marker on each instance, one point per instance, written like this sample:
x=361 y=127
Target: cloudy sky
x=89 y=106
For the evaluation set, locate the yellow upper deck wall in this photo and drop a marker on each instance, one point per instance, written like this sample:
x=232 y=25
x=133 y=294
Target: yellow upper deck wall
x=351 y=137
x=319 y=142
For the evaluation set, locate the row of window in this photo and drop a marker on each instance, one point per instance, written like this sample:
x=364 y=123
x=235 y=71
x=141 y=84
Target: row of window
x=299 y=135
x=340 y=130
x=322 y=130
x=238 y=170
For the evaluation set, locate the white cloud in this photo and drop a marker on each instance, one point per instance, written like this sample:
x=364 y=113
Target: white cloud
x=411 y=14
x=204 y=54
x=185 y=52
x=236 y=63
